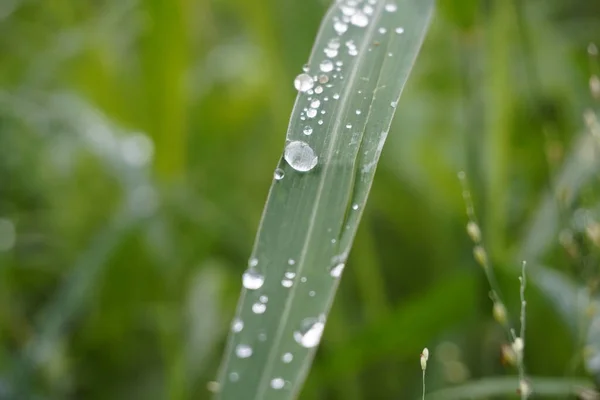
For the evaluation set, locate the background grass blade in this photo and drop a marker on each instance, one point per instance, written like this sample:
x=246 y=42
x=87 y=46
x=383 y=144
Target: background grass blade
x=360 y=62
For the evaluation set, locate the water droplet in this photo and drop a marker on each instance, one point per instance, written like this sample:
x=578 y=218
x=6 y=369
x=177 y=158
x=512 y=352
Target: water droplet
x=319 y=89
x=368 y=10
x=305 y=67
x=311 y=113
x=234 y=377
x=348 y=9
x=320 y=122
x=336 y=96
x=358 y=112
x=310 y=332
x=399 y=30
x=253 y=262
x=382 y=30
x=390 y=7
x=263 y=298
x=290 y=275
x=237 y=325
x=300 y=155
x=348 y=126
x=340 y=27
x=352 y=52
x=331 y=53
x=252 y=280
x=303 y=279
x=287 y=283
x=277 y=383
x=355 y=207
x=337 y=269
x=279 y=174
x=262 y=337
x=303 y=83
x=243 y=351
x=394 y=104
x=326 y=66
x=258 y=308
x=359 y=19
x=287 y=358
x=323 y=79
x=307 y=130
x=312 y=293
x=315 y=103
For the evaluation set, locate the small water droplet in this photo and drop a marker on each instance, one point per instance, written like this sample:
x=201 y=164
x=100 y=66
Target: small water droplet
x=348 y=126
x=290 y=275
x=237 y=325
x=311 y=293
x=382 y=30
x=390 y=7
x=368 y=10
x=311 y=330
x=311 y=113
x=323 y=79
x=337 y=269
x=259 y=308
x=262 y=337
x=352 y=52
x=253 y=262
x=305 y=67
x=303 y=279
x=358 y=112
x=277 y=383
x=234 y=377
x=291 y=261
x=307 y=130
x=303 y=83
x=300 y=156
x=334 y=43
x=359 y=19
x=287 y=283
x=252 y=280
x=279 y=174
x=340 y=27
x=319 y=89
x=287 y=358
x=399 y=30
x=263 y=298
x=243 y=351
x=355 y=207
x=326 y=66
x=394 y=104
x=315 y=103
x=331 y=53
x=320 y=122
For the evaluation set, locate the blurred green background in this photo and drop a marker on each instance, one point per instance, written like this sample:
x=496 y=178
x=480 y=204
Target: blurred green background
x=138 y=140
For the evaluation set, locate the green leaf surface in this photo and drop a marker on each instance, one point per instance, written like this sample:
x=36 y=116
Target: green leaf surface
x=359 y=64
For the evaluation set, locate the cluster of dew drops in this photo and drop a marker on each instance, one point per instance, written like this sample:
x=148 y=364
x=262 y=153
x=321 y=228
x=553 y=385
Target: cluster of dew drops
x=299 y=154
x=302 y=158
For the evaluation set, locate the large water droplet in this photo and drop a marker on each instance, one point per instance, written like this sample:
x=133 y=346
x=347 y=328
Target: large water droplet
x=259 y=308
x=310 y=332
x=237 y=325
x=303 y=83
x=277 y=383
x=340 y=27
x=300 y=156
x=279 y=174
x=252 y=280
x=326 y=66
x=243 y=351
x=337 y=270
x=359 y=19
x=287 y=358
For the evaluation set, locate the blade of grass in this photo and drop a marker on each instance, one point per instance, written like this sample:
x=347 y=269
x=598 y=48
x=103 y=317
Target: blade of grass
x=310 y=218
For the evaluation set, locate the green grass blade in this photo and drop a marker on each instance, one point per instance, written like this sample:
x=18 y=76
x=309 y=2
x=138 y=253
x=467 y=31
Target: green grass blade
x=311 y=217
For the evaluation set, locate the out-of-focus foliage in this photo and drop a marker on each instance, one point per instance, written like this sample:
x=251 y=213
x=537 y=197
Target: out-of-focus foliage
x=137 y=143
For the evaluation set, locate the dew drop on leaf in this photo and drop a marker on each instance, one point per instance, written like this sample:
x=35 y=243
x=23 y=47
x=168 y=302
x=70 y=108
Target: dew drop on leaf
x=259 y=308
x=303 y=83
x=237 y=325
x=300 y=156
x=310 y=333
x=243 y=351
x=252 y=280
x=279 y=174
x=277 y=383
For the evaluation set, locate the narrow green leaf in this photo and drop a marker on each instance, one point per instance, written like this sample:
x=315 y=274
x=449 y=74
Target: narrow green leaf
x=359 y=64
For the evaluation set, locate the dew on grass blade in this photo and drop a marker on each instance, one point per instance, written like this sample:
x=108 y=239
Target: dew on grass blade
x=310 y=332
x=243 y=351
x=337 y=270
x=279 y=174
x=303 y=83
x=277 y=383
x=252 y=279
x=300 y=156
